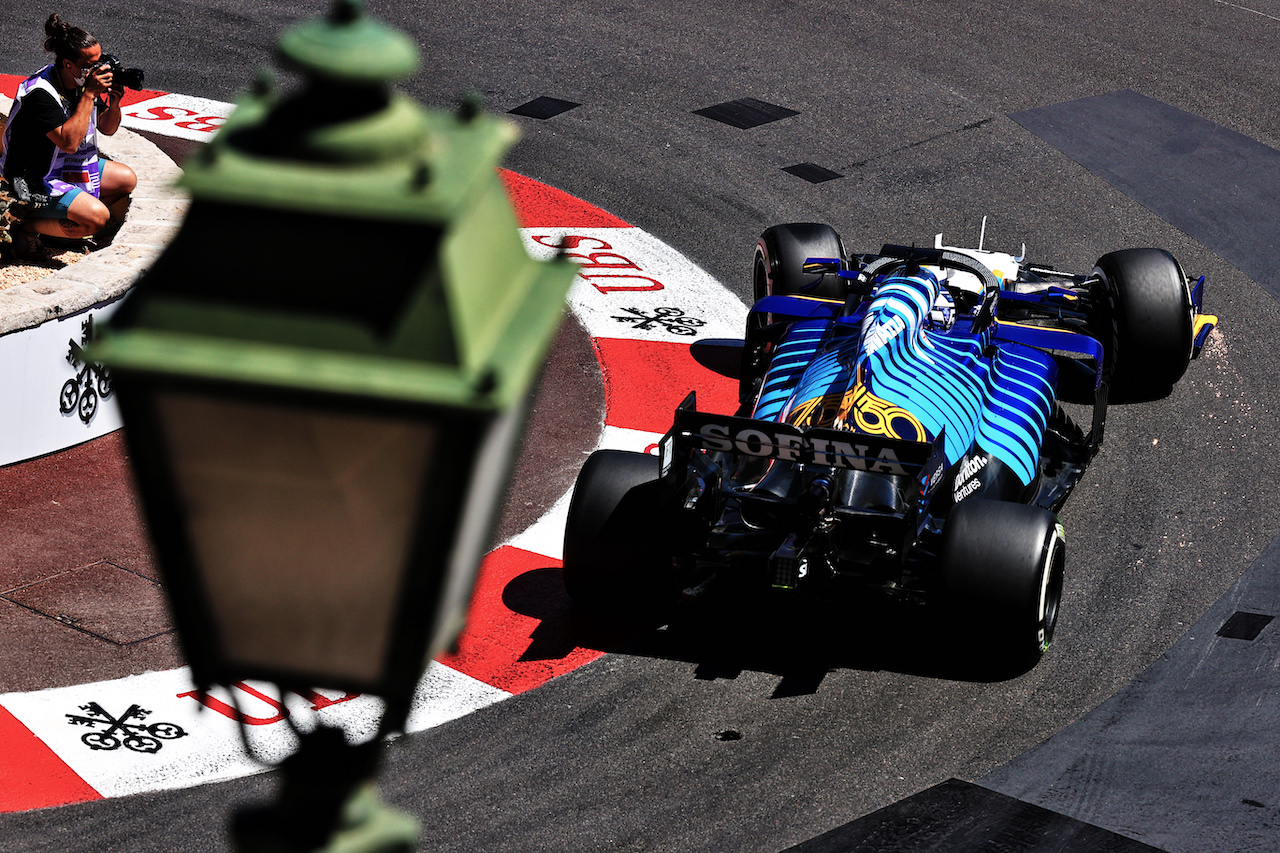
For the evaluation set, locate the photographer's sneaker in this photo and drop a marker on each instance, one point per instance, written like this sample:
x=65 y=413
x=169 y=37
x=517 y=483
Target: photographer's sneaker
x=56 y=245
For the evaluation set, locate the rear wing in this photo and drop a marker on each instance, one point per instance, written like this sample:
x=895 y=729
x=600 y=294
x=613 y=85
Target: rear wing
x=692 y=431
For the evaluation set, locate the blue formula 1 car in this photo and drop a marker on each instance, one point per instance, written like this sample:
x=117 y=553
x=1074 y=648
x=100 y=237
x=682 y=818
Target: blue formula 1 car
x=904 y=429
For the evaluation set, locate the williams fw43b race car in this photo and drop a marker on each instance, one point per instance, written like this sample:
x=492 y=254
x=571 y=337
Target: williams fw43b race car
x=902 y=431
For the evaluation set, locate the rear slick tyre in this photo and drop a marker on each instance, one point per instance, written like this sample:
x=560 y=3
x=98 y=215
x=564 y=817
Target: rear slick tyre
x=615 y=559
x=1002 y=570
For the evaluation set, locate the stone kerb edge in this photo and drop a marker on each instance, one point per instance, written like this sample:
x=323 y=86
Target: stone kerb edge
x=154 y=217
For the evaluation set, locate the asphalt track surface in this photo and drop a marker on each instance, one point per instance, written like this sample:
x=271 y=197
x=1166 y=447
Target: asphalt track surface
x=913 y=105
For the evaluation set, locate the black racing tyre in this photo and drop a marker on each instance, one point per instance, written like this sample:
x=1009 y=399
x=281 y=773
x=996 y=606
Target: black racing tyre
x=1142 y=316
x=1002 y=568
x=778 y=266
x=615 y=556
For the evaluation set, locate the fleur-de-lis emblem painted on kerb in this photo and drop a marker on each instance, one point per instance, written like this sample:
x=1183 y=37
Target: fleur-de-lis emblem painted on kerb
x=673 y=320
x=119 y=731
x=92 y=381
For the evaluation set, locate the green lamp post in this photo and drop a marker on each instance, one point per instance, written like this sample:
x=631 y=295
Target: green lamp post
x=323 y=380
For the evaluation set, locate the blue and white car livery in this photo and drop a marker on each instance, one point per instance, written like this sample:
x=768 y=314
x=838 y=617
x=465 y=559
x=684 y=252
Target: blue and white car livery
x=906 y=426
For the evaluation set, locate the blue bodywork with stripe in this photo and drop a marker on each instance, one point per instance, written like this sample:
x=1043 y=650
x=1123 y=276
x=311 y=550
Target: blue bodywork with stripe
x=889 y=370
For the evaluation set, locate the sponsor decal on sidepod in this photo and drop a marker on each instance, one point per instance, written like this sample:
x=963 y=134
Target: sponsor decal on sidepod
x=967 y=481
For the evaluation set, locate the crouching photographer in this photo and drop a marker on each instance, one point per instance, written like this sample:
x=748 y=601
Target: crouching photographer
x=51 y=142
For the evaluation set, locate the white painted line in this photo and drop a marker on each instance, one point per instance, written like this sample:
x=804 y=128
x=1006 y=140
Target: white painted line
x=632 y=285
x=546 y=535
x=1246 y=9
x=172 y=740
x=178 y=115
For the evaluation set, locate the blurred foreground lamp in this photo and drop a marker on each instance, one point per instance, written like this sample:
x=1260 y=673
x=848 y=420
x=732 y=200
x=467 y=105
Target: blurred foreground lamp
x=324 y=376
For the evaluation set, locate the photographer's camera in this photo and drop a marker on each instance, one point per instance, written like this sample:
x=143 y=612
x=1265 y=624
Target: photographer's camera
x=123 y=78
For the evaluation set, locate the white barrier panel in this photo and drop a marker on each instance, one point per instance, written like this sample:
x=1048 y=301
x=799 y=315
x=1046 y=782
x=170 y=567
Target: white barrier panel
x=50 y=397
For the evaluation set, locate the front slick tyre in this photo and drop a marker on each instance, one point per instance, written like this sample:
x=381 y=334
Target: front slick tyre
x=616 y=560
x=778 y=268
x=1143 y=317
x=1002 y=566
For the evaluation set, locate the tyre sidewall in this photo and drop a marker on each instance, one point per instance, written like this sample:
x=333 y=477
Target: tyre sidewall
x=1002 y=577
x=1143 y=316
x=777 y=269
x=615 y=551
x=781 y=252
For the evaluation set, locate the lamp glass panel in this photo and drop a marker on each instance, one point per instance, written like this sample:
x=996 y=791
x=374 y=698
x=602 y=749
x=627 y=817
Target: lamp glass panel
x=301 y=523
x=485 y=489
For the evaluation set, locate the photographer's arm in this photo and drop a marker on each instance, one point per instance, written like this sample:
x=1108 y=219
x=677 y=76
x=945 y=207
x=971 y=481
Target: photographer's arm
x=109 y=119
x=70 y=135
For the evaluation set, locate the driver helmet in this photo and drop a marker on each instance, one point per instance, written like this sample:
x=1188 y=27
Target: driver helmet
x=942 y=316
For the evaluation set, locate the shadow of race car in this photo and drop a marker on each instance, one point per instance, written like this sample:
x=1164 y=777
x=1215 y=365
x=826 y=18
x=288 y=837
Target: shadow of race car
x=910 y=423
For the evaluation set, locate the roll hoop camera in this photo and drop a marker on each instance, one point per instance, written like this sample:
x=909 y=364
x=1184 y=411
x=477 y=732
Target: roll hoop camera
x=122 y=77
